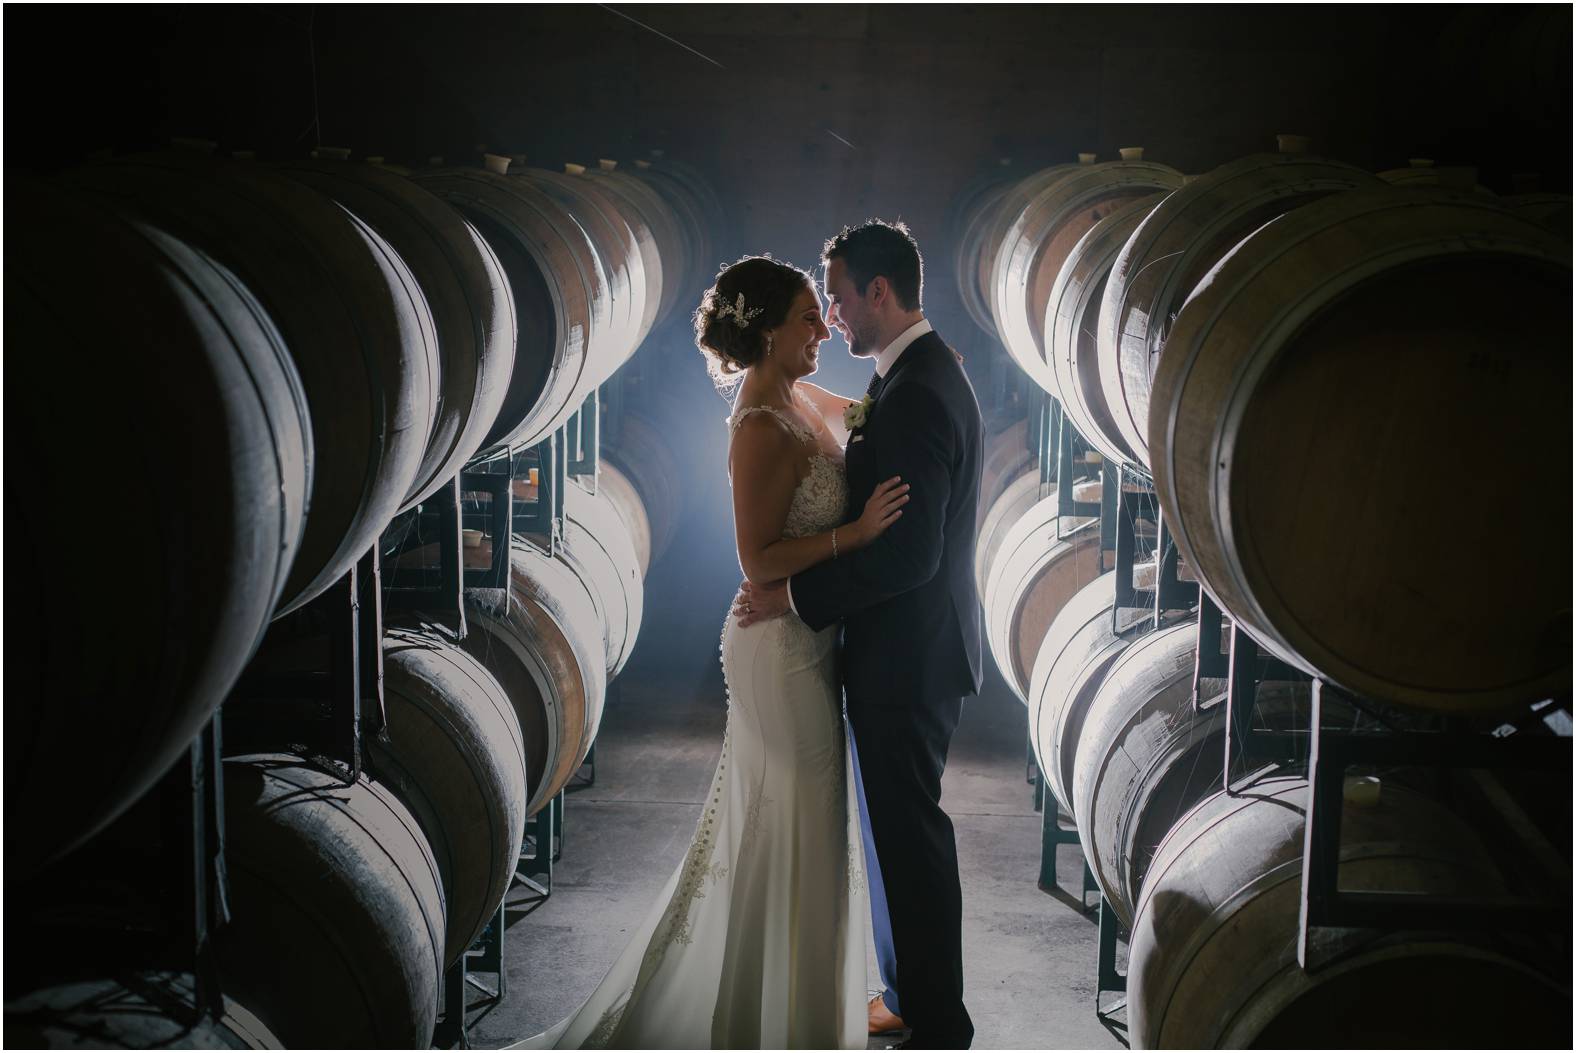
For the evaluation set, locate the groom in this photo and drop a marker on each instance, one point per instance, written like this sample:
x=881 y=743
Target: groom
x=911 y=624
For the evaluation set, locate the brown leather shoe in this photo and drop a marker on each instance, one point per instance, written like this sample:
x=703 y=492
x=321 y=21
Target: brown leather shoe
x=882 y=1020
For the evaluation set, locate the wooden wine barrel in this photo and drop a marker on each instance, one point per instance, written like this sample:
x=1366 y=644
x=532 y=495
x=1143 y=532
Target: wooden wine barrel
x=562 y=306
x=352 y=316
x=1145 y=756
x=642 y=452
x=1551 y=211
x=1010 y=506
x=1175 y=246
x=703 y=222
x=618 y=255
x=615 y=485
x=155 y=400
x=664 y=243
x=1037 y=241
x=140 y=1010
x=466 y=291
x=989 y=229
x=1008 y=509
x=1007 y=457
x=1362 y=331
x=454 y=754
x=336 y=929
x=1422 y=172
x=1072 y=319
x=548 y=654
x=1029 y=581
x=1213 y=956
x=1073 y=660
x=598 y=546
x=968 y=234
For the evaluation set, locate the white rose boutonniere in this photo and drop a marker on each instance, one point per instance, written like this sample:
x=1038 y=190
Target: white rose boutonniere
x=856 y=415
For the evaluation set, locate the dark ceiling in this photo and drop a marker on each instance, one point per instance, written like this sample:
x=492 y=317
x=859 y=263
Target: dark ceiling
x=806 y=116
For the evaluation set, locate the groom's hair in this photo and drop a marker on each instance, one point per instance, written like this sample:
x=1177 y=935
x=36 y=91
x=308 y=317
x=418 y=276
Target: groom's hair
x=877 y=247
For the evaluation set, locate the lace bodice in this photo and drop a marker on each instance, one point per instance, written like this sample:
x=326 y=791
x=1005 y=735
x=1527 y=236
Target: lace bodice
x=822 y=495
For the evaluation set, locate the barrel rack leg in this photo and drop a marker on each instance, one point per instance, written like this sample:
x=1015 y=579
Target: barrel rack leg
x=542 y=847
x=1108 y=979
x=483 y=956
x=1033 y=777
x=1052 y=836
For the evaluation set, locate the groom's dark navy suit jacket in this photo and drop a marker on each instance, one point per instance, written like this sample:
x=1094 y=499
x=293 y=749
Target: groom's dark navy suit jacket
x=911 y=622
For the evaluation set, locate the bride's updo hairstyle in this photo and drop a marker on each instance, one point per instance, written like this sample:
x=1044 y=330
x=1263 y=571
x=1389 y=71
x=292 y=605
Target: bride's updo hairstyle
x=730 y=331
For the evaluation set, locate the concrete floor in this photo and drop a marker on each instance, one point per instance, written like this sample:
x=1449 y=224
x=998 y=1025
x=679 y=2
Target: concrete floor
x=1028 y=956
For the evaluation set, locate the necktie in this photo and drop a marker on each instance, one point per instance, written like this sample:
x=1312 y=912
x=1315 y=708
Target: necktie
x=875 y=385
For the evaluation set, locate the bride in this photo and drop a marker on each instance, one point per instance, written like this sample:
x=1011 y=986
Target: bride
x=758 y=939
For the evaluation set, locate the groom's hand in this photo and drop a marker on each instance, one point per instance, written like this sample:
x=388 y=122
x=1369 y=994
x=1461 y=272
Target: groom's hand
x=759 y=603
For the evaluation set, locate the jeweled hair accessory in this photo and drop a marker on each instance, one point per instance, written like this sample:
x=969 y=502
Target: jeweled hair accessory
x=741 y=317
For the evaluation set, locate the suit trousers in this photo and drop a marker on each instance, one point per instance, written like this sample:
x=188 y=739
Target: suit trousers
x=902 y=751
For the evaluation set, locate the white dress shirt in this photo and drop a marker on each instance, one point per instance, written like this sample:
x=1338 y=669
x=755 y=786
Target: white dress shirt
x=884 y=363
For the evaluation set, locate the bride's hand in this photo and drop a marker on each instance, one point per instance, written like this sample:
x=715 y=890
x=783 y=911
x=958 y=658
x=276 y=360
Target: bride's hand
x=881 y=511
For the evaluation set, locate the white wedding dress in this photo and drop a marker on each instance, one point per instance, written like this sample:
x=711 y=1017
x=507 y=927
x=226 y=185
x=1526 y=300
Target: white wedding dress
x=758 y=939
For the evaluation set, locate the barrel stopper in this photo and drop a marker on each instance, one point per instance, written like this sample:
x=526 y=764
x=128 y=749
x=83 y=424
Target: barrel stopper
x=606 y=165
x=573 y=169
x=497 y=164
x=1294 y=144
x=1086 y=159
x=1132 y=153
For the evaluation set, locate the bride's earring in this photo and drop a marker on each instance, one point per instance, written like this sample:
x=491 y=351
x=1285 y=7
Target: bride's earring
x=768 y=342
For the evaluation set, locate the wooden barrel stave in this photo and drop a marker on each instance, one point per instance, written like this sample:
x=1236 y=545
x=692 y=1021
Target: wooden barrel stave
x=339 y=882
x=1213 y=958
x=1275 y=353
x=1077 y=652
x=345 y=308
x=598 y=546
x=1010 y=506
x=548 y=654
x=1072 y=320
x=1030 y=581
x=200 y=444
x=626 y=499
x=454 y=754
x=466 y=291
x=1171 y=251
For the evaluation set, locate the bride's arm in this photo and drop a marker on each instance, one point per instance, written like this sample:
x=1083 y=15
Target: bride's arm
x=830 y=406
x=762 y=460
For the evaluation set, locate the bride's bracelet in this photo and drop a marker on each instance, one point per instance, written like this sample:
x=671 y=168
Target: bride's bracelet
x=834 y=542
